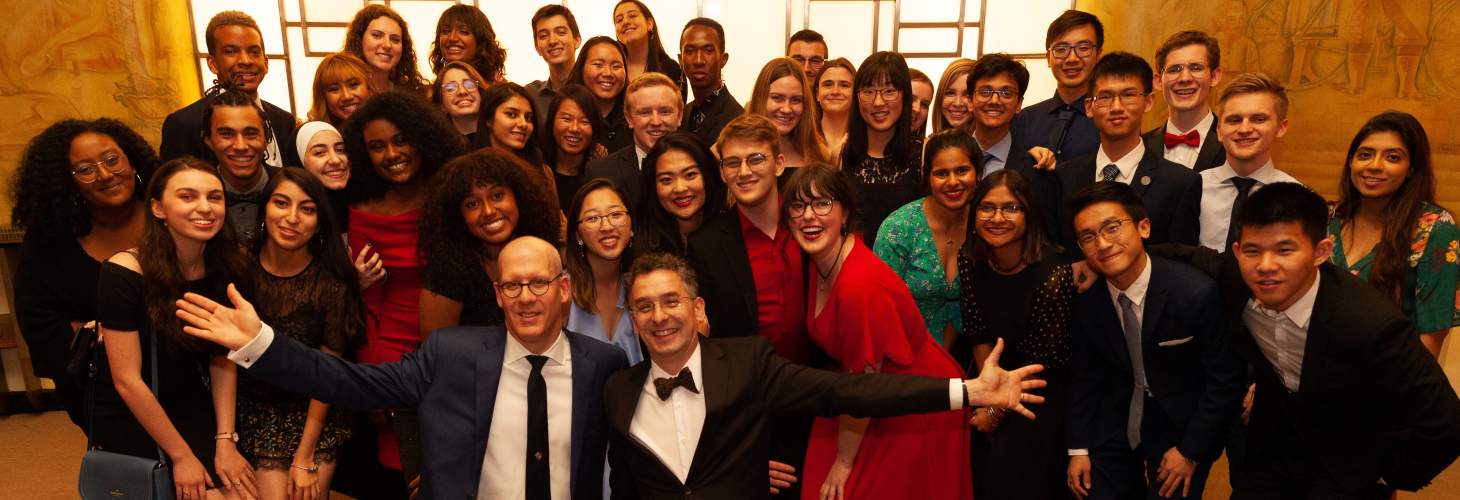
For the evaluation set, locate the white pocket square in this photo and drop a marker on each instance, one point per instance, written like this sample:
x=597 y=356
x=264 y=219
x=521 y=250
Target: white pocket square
x=1170 y=343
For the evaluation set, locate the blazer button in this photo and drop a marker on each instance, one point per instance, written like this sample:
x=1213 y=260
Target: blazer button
x=687 y=492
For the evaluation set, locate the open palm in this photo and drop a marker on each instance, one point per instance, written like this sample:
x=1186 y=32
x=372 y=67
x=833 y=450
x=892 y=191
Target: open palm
x=1008 y=389
x=208 y=320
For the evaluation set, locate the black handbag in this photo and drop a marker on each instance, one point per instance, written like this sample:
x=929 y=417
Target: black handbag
x=108 y=475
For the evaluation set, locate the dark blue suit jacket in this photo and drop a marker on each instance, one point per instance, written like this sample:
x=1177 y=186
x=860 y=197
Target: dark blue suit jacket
x=1195 y=378
x=452 y=381
x=1171 y=193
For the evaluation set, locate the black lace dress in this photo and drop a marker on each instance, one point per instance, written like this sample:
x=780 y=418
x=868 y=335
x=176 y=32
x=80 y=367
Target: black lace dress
x=307 y=307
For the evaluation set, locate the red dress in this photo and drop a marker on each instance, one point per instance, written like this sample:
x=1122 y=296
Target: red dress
x=392 y=327
x=871 y=318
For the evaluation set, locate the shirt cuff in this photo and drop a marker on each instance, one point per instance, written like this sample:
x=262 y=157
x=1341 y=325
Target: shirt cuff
x=955 y=394
x=246 y=356
x=1080 y=452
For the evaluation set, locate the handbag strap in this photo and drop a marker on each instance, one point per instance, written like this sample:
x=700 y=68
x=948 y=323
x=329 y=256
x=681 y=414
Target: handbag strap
x=91 y=387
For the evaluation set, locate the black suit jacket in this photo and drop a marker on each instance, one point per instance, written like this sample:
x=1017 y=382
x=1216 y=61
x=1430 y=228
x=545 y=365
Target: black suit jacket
x=1191 y=372
x=452 y=380
x=621 y=167
x=717 y=253
x=1371 y=401
x=745 y=384
x=182 y=134
x=1211 y=154
x=722 y=108
x=1171 y=192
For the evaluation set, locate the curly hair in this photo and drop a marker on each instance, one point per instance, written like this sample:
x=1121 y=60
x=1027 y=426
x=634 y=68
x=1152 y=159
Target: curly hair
x=47 y=201
x=404 y=74
x=446 y=244
x=426 y=128
x=490 y=60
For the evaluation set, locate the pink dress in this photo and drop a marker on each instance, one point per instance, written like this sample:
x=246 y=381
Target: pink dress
x=871 y=318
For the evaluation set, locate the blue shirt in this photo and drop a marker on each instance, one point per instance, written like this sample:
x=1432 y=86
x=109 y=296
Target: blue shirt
x=1037 y=125
x=582 y=322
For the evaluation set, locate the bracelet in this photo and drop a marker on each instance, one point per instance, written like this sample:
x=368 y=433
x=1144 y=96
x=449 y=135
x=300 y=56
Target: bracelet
x=311 y=469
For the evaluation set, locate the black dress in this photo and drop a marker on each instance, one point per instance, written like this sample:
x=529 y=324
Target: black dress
x=55 y=284
x=183 y=372
x=307 y=307
x=470 y=287
x=1031 y=311
x=884 y=185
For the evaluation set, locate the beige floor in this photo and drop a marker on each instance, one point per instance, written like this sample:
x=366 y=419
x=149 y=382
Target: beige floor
x=39 y=455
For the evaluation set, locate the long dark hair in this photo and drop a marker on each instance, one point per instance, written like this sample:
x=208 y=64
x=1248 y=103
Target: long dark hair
x=576 y=255
x=1401 y=215
x=658 y=59
x=584 y=99
x=404 y=74
x=494 y=98
x=657 y=230
x=881 y=67
x=1035 y=237
x=47 y=202
x=162 y=275
x=576 y=75
x=446 y=243
x=427 y=129
x=490 y=59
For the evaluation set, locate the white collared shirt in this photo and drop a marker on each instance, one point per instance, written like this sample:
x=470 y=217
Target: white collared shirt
x=1127 y=164
x=640 y=154
x=504 y=467
x=998 y=154
x=1282 y=336
x=1217 y=195
x=671 y=427
x=1183 y=154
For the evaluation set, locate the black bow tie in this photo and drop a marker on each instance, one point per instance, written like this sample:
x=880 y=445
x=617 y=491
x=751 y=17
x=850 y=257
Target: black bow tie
x=256 y=197
x=665 y=386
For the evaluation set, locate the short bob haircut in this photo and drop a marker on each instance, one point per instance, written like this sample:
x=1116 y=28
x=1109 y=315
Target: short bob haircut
x=47 y=202
x=425 y=128
x=1036 y=236
x=336 y=69
x=831 y=182
x=490 y=60
x=807 y=135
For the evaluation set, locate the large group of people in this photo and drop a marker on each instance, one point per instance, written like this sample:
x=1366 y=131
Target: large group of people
x=620 y=282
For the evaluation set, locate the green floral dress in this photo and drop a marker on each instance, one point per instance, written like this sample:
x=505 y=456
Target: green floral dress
x=1429 y=288
x=905 y=243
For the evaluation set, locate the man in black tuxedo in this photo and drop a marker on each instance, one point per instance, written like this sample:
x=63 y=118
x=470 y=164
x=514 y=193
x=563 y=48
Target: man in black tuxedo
x=1348 y=402
x=1154 y=384
x=652 y=106
x=1073 y=43
x=693 y=421
x=1188 y=69
x=1120 y=86
x=702 y=55
x=236 y=55
x=543 y=382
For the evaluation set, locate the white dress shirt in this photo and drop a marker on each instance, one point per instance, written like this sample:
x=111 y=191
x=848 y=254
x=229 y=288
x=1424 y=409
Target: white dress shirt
x=1283 y=335
x=671 y=427
x=1127 y=164
x=1217 y=195
x=1137 y=294
x=640 y=154
x=1183 y=154
x=998 y=154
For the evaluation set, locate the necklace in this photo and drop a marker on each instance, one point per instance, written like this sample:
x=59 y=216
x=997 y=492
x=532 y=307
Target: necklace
x=834 y=264
x=1009 y=270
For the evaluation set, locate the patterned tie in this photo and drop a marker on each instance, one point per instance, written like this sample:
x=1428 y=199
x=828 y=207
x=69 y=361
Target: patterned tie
x=665 y=386
x=1110 y=173
x=1132 y=326
x=1244 y=188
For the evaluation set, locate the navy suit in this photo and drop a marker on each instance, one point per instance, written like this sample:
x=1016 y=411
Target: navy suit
x=452 y=381
x=1195 y=382
x=1171 y=193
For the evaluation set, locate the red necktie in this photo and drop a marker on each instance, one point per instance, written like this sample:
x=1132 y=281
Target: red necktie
x=1190 y=139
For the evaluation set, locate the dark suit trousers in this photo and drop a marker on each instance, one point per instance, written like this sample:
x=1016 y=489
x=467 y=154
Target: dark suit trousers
x=1120 y=473
x=1287 y=471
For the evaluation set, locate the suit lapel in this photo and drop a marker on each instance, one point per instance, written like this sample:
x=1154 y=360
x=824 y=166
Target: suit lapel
x=585 y=372
x=1145 y=171
x=1212 y=154
x=735 y=255
x=1151 y=316
x=716 y=375
x=489 y=373
x=621 y=417
x=1315 y=345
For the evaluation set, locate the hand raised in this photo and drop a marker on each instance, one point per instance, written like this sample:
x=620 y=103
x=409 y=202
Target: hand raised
x=999 y=388
x=229 y=327
x=1043 y=158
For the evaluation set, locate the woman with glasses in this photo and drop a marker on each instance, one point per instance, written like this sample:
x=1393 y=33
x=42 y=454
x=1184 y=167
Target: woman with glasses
x=458 y=92
x=781 y=93
x=601 y=69
x=833 y=92
x=921 y=240
x=78 y=195
x=953 y=106
x=600 y=236
x=861 y=314
x=881 y=155
x=1015 y=286
x=685 y=179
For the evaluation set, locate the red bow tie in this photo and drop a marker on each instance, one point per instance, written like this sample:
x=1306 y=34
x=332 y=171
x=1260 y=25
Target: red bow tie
x=1190 y=139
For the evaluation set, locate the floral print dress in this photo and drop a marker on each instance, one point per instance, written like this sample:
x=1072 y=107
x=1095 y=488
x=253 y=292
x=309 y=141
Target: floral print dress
x=1429 y=288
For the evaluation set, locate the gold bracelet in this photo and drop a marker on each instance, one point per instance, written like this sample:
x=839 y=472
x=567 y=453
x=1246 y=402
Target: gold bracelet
x=311 y=469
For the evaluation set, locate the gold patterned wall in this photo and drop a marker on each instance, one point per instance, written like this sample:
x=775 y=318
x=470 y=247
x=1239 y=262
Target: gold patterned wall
x=125 y=59
x=1342 y=61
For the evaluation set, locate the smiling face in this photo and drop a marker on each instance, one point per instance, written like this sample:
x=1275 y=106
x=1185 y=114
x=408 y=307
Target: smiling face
x=109 y=190
x=490 y=213
x=572 y=128
x=1248 y=127
x=392 y=155
x=922 y=99
x=818 y=235
x=1118 y=257
x=342 y=98
x=702 y=57
x=653 y=111
x=1073 y=71
x=512 y=123
x=605 y=73
x=665 y=315
x=554 y=40
x=325 y=159
x=630 y=24
x=679 y=184
x=952 y=178
x=834 y=92
x=785 y=103
x=1380 y=165
x=604 y=239
x=463 y=102
x=457 y=42
x=879 y=112
x=192 y=205
x=381 y=45
x=1000 y=228
x=1190 y=88
x=753 y=179
x=291 y=217
x=534 y=320
x=1119 y=120
x=236 y=136
x=955 y=101
x=238 y=57
x=1279 y=263
x=995 y=112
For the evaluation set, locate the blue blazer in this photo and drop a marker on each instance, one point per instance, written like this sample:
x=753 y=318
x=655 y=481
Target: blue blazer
x=1196 y=379
x=452 y=380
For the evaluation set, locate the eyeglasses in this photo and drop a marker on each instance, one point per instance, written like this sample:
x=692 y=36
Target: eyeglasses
x=753 y=160
x=888 y=94
x=819 y=206
x=644 y=308
x=1107 y=231
x=1196 y=69
x=1127 y=99
x=464 y=86
x=86 y=172
x=615 y=219
x=988 y=93
x=814 y=62
x=512 y=289
x=1062 y=50
x=1010 y=211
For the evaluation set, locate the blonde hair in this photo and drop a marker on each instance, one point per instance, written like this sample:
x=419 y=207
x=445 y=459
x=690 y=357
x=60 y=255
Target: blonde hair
x=959 y=68
x=471 y=72
x=807 y=135
x=336 y=69
x=1257 y=83
x=651 y=79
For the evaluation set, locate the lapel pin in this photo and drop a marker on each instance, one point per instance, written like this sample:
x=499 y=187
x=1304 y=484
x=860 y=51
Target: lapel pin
x=1145 y=180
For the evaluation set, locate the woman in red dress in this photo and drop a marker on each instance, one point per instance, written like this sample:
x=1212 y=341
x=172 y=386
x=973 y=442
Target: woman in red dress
x=863 y=315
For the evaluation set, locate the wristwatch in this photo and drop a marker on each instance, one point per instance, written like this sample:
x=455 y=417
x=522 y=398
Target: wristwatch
x=231 y=436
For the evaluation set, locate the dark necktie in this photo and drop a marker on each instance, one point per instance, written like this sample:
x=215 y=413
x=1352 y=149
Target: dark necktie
x=1192 y=139
x=1110 y=173
x=665 y=386
x=537 y=432
x=1132 y=326
x=1244 y=188
x=1061 y=129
